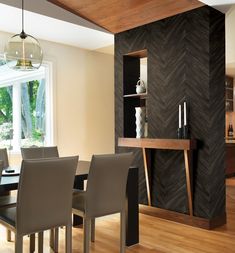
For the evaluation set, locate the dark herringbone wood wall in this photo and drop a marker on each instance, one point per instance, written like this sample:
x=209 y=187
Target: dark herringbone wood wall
x=186 y=61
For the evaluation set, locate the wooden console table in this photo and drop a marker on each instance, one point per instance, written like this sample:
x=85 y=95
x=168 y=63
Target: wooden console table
x=165 y=144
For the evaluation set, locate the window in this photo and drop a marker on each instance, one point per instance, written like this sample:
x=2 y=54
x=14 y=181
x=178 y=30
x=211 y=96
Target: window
x=26 y=116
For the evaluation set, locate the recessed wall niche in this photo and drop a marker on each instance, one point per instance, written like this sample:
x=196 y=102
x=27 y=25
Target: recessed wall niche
x=134 y=70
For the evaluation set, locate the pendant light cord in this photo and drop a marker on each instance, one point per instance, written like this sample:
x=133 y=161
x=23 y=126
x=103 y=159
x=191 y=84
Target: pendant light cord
x=23 y=15
x=23 y=35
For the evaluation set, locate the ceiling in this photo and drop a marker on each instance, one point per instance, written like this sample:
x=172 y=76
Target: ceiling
x=47 y=21
x=221 y=5
x=45 y=8
x=121 y=15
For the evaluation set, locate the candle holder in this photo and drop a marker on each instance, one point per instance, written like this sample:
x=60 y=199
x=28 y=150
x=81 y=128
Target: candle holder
x=179 y=133
x=185 y=134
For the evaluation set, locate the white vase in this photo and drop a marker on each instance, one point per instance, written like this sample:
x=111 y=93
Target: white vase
x=139 y=121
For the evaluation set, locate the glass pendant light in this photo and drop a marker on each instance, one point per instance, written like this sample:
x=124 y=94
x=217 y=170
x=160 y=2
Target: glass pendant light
x=23 y=51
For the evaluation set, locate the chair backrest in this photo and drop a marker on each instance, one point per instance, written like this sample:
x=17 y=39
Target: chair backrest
x=4 y=157
x=106 y=185
x=44 y=196
x=39 y=152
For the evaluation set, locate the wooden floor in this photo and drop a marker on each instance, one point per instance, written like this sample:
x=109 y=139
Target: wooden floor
x=156 y=235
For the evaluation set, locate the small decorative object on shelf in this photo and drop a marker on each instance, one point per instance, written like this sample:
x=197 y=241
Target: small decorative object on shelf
x=230 y=130
x=185 y=127
x=140 y=121
x=229 y=93
x=179 y=131
x=140 y=87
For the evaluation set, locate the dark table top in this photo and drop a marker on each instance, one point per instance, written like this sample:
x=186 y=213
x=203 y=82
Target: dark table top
x=10 y=182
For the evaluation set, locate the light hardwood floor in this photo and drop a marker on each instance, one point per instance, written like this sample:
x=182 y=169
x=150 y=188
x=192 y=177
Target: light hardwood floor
x=156 y=235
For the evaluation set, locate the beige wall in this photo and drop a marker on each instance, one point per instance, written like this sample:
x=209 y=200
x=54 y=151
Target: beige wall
x=84 y=98
x=230 y=36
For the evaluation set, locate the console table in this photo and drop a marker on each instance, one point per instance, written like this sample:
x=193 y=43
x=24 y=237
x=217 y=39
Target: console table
x=185 y=145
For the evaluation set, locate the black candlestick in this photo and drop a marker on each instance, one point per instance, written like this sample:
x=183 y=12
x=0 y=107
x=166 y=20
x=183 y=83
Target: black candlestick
x=185 y=134
x=179 y=133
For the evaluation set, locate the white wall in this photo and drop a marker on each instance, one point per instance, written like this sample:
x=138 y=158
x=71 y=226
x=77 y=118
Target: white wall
x=84 y=98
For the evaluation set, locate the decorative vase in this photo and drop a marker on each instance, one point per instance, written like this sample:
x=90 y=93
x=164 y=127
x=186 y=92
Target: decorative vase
x=140 y=121
x=140 y=87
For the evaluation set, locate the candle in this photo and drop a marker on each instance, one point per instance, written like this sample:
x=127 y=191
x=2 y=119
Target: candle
x=180 y=116
x=185 y=119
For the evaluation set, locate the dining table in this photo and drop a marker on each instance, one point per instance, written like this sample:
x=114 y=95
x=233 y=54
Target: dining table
x=10 y=179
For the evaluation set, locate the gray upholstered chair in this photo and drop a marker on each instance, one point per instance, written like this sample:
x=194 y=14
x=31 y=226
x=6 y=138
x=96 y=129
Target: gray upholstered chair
x=8 y=200
x=105 y=193
x=43 y=183
x=4 y=157
x=39 y=152
x=36 y=153
x=1 y=168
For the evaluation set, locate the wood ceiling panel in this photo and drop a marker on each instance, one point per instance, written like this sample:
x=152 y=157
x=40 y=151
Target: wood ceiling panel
x=121 y=15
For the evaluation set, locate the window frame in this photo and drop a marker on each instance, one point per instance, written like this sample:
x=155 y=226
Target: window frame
x=48 y=74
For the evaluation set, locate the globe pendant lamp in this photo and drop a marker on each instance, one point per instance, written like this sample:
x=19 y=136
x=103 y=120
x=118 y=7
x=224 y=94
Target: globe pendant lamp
x=23 y=52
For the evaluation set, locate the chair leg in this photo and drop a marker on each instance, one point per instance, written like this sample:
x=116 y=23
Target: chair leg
x=52 y=239
x=86 y=234
x=123 y=232
x=93 y=230
x=32 y=243
x=18 y=244
x=8 y=235
x=56 y=240
x=40 y=242
x=68 y=239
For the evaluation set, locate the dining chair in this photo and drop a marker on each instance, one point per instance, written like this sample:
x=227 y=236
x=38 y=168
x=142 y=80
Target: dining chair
x=7 y=200
x=43 y=183
x=39 y=152
x=44 y=152
x=105 y=194
x=4 y=157
x=1 y=167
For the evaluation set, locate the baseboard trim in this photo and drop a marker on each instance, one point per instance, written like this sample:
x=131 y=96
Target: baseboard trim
x=184 y=218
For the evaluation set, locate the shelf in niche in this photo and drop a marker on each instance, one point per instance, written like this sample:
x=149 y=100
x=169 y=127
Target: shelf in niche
x=138 y=54
x=141 y=96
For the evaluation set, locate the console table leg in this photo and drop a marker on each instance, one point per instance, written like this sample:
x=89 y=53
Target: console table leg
x=146 y=176
x=188 y=182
